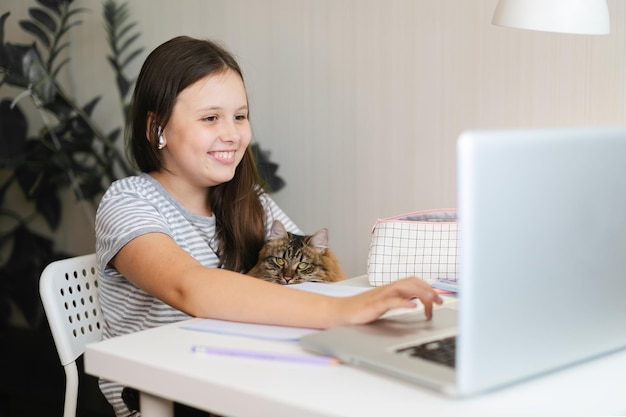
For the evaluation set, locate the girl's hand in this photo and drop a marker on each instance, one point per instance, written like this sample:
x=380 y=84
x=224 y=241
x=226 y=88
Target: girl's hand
x=370 y=305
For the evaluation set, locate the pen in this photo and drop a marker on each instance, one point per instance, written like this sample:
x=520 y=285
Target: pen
x=256 y=354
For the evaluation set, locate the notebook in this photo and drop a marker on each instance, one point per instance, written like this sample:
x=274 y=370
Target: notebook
x=542 y=270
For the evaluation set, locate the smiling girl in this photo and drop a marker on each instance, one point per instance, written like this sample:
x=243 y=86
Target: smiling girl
x=174 y=241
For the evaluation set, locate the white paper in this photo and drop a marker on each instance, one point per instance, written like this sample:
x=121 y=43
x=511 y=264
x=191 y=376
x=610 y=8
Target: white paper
x=260 y=331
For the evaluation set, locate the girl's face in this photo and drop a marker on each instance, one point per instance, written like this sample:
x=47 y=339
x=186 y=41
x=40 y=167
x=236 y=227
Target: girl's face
x=208 y=131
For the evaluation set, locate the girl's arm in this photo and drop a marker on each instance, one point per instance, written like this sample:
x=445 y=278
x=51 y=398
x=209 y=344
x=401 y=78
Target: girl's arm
x=159 y=266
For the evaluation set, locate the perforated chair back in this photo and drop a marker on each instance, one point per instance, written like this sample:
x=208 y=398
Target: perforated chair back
x=69 y=293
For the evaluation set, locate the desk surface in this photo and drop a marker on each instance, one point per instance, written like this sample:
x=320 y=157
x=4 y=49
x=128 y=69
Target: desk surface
x=160 y=362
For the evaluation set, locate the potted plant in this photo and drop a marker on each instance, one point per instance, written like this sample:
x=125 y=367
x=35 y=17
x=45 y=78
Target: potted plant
x=70 y=149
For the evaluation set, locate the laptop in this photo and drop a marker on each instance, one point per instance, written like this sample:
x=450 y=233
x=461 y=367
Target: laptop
x=542 y=270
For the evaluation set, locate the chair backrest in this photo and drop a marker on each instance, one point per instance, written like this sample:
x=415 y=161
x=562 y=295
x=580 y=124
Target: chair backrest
x=69 y=293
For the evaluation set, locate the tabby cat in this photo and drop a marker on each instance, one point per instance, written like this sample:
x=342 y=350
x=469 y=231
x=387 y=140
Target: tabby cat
x=287 y=258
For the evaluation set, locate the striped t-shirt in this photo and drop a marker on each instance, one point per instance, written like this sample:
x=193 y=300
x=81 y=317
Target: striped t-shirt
x=132 y=207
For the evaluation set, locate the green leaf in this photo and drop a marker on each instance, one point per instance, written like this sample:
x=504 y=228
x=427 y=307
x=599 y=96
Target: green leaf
x=123 y=31
x=267 y=169
x=113 y=63
x=36 y=31
x=57 y=51
x=44 y=18
x=132 y=56
x=48 y=205
x=91 y=186
x=13 y=129
x=61 y=109
x=36 y=175
x=88 y=108
x=114 y=135
x=123 y=84
x=66 y=29
x=60 y=66
x=119 y=13
x=25 y=68
x=12 y=62
x=128 y=42
x=53 y=5
x=3 y=19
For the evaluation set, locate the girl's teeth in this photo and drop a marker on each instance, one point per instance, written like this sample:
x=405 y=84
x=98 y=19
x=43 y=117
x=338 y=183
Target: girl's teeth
x=224 y=155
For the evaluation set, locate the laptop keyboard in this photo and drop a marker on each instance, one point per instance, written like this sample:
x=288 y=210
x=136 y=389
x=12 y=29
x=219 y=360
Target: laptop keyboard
x=442 y=351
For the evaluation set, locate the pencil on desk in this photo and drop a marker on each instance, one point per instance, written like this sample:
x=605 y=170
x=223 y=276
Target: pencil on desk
x=255 y=354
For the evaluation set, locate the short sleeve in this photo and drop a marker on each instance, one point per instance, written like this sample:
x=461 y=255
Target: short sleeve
x=124 y=214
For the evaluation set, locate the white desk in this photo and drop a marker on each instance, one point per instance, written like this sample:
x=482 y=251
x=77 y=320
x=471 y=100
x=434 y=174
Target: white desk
x=159 y=363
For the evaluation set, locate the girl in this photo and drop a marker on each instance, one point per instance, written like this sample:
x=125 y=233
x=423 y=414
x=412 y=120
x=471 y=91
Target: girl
x=174 y=241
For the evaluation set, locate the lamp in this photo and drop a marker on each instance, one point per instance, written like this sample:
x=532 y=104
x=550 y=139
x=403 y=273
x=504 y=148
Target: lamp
x=589 y=17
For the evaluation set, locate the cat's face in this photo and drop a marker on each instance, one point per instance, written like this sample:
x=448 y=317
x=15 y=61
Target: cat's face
x=287 y=258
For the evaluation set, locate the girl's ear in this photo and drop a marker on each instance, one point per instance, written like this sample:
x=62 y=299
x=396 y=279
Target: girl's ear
x=151 y=127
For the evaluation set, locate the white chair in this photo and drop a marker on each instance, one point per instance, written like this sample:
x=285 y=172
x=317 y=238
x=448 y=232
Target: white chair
x=69 y=292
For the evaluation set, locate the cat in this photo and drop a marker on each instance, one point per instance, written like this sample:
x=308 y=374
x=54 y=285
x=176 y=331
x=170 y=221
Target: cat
x=287 y=258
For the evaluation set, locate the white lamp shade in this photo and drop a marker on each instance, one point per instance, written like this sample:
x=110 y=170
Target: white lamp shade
x=567 y=16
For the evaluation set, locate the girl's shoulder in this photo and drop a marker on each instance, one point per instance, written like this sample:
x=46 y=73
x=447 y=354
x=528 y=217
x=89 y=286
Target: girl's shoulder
x=141 y=185
x=138 y=182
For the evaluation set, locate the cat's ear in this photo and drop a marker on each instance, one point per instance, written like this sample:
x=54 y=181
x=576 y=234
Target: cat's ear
x=319 y=240
x=278 y=231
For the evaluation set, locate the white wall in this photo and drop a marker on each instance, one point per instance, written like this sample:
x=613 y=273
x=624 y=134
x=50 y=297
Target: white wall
x=361 y=101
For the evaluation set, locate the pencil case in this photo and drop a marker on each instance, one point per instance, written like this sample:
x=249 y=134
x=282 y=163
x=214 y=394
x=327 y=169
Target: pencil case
x=422 y=244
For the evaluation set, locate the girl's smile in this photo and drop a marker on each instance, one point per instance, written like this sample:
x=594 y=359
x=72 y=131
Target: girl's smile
x=225 y=157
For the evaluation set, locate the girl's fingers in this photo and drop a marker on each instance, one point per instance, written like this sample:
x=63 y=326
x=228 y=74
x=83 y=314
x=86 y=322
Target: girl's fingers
x=425 y=293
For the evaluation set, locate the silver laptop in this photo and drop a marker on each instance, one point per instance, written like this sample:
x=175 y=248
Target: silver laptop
x=542 y=274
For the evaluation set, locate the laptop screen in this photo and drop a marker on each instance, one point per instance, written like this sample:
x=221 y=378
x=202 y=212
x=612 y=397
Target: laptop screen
x=542 y=219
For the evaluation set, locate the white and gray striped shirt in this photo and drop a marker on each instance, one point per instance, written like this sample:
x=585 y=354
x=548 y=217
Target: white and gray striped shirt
x=132 y=207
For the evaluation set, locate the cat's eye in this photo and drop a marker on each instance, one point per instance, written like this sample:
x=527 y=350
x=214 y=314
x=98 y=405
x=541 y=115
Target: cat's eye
x=279 y=261
x=303 y=265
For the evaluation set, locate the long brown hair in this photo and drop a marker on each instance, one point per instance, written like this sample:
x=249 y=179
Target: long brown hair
x=168 y=70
